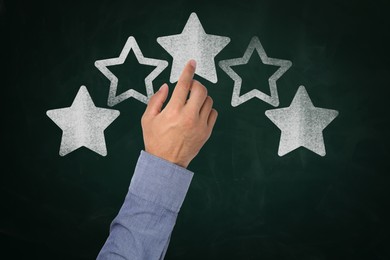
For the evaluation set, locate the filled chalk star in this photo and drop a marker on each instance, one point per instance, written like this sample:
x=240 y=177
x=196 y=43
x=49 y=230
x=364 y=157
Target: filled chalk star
x=83 y=124
x=194 y=43
x=301 y=124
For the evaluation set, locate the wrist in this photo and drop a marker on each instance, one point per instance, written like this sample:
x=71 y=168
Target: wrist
x=169 y=158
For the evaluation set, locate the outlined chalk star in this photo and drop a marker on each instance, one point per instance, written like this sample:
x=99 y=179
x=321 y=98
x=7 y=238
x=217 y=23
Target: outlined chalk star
x=194 y=43
x=102 y=65
x=83 y=124
x=255 y=45
x=301 y=124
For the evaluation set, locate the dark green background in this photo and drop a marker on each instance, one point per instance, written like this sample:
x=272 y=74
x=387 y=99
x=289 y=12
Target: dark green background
x=245 y=202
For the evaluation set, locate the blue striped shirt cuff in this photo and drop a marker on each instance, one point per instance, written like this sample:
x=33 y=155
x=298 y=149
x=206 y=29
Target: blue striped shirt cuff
x=160 y=181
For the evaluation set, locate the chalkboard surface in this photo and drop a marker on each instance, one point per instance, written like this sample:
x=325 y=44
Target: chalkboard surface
x=245 y=201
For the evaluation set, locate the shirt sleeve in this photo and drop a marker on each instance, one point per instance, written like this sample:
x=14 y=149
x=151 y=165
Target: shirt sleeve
x=143 y=226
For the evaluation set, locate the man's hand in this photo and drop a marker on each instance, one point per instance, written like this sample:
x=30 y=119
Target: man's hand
x=178 y=132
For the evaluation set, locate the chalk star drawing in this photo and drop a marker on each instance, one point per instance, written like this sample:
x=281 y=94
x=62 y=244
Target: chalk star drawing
x=255 y=45
x=102 y=65
x=83 y=124
x=194 y=43
x=301 y=124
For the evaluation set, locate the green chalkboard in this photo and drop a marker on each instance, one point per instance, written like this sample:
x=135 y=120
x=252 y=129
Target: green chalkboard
x=245 y=201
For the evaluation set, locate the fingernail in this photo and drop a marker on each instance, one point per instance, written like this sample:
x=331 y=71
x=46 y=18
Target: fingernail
x=193 y=63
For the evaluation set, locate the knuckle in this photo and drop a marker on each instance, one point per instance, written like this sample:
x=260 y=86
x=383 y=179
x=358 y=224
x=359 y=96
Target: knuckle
x=182 y=84
x=210 y=100
x=152 y=99
x=199 y=87
x=189 y=120
x=215 y=113
x=143 y=120
x=144 y=117
x=174 y=113
x=204 y=91
x=196 y=82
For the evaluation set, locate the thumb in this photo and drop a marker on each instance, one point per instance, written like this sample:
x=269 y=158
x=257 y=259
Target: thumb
x=157 y=100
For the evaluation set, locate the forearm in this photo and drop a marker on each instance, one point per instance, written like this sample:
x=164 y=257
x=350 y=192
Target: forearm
x=176 y=133
x=145 y=222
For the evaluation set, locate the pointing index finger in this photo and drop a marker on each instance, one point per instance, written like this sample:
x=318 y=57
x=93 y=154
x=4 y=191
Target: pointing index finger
x=180 y=94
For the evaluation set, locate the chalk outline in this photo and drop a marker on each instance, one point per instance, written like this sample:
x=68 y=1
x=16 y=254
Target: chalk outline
x=131 y=44
x=237 y=100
